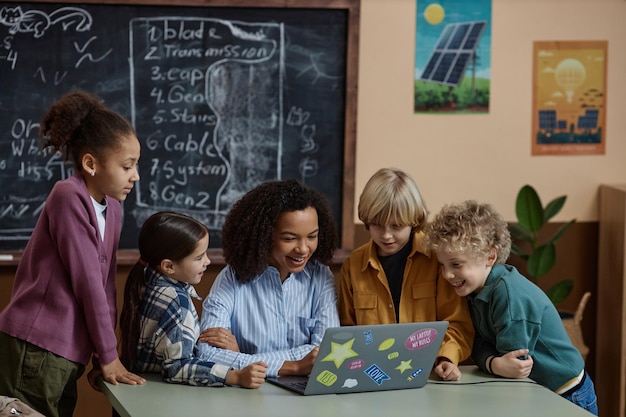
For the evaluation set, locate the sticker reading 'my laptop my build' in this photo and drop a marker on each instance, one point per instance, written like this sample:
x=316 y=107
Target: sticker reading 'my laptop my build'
x=371 y=358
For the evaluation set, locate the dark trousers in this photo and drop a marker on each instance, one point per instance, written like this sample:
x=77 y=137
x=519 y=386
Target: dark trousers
x=41 y=379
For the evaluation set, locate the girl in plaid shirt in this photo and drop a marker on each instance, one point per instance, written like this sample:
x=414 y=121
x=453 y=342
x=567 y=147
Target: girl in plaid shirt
x=159 y=323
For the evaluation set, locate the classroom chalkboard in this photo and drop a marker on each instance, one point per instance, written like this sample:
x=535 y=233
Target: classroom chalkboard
x=222 y=95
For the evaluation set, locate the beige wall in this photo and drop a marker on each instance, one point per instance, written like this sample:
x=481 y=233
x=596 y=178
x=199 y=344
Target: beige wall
x=486 y=157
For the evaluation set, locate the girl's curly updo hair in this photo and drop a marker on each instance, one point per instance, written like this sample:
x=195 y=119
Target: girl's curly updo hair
x=248 y=228
x=79 y=123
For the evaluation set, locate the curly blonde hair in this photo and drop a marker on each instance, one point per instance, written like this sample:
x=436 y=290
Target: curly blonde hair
x=471 y=228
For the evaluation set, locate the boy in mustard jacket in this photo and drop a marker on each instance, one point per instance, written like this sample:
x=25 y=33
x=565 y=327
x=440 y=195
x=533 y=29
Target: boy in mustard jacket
x=392 y=279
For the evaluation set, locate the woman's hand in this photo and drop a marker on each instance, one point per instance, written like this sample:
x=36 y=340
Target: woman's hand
x=220 y=337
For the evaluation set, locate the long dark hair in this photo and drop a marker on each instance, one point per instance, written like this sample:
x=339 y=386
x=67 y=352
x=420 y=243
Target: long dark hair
x=248 y=228
x=164 y=235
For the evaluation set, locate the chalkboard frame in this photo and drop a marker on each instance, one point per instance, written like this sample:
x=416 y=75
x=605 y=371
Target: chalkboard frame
x=352 y=9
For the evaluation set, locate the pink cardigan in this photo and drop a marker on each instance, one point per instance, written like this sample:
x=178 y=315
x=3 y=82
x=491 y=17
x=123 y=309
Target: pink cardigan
x=63 y=297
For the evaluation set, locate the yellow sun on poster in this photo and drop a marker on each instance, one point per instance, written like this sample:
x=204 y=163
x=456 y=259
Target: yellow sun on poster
x=569 y=98
x=434 y=13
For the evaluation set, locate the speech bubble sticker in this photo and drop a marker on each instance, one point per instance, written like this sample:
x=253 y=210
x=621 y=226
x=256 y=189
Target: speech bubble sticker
x=350 y=383
x=421 y=339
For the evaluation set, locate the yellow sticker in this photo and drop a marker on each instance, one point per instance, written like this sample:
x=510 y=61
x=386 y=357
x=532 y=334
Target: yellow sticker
x=386 y=344
x=326 y=378
x=339 y=352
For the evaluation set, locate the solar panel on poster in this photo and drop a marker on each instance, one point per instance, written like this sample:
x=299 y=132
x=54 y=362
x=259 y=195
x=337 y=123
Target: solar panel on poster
x=589 y=120
x=547 y=119
x=453 y=51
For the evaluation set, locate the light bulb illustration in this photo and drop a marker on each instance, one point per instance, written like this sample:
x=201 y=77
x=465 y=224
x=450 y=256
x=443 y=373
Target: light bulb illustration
x=570 y=74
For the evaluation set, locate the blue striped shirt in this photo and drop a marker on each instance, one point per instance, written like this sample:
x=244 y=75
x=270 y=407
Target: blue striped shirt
x=272 y=321
x=169 y=329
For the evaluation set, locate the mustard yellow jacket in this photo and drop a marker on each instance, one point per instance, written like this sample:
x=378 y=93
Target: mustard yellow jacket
x=365 y=298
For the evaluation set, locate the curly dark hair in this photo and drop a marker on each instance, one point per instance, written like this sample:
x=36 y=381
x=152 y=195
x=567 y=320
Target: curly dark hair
x=78 y=123
x=248 y=228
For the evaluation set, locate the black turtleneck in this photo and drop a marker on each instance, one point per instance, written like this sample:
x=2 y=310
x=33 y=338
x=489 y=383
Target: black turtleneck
x=393 y=265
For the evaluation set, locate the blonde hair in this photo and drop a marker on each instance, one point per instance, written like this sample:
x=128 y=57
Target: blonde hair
x=392 y=197
x=471 y=228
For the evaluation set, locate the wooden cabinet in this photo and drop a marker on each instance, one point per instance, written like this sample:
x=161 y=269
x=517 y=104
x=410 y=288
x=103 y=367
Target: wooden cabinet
x=610 y=375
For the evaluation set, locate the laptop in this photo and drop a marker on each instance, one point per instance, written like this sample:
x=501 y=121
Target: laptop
x=370 y=358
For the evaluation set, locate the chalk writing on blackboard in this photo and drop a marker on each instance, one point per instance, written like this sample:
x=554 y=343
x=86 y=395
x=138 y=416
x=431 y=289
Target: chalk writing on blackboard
x=221 y=102
x=212 y=103
x=23 y=166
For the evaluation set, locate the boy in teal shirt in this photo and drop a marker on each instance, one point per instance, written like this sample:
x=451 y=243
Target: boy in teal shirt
x=519 y=332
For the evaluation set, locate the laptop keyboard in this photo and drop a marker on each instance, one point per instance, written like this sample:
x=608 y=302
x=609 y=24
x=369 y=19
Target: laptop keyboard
x=297 y=384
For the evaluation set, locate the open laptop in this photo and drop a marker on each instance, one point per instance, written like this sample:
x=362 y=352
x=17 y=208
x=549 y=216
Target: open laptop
x=371 y=358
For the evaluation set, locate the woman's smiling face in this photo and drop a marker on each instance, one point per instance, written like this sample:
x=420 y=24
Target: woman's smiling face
x=294 y=240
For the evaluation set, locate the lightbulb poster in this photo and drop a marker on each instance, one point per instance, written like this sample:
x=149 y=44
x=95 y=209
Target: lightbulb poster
x=569 y=97
x=452 y=57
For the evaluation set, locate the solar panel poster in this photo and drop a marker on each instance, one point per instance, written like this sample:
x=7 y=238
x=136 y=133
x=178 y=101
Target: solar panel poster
x=569 y=97
x=452 y=57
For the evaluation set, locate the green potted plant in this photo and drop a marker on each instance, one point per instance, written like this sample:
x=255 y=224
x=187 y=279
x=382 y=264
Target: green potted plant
x=538 y=252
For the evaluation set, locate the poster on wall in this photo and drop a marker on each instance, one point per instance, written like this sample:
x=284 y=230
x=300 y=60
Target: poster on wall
x=569 y=97
x=452 y=56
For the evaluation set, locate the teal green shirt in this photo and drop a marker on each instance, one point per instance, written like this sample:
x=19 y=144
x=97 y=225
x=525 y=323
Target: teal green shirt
x=511 y=313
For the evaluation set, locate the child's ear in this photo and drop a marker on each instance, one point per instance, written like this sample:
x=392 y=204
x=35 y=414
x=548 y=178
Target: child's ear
x=492 y=257
x=88 y=162
x=167 y=266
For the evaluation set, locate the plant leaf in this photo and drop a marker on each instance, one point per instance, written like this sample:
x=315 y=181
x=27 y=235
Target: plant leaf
x=559 y=291
x=519 y=233
x=528 y=209
x=515 y=250
x=541 y=260
x=553 y=208
x=561 y=230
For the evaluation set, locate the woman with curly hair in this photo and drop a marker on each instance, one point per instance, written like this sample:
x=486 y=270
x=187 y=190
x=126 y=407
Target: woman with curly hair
x=276 y=296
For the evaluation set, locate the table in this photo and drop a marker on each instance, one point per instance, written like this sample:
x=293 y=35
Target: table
x=476 y=394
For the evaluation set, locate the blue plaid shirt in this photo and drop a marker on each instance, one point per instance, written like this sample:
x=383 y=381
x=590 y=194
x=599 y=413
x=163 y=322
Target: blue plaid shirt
x=169 y=330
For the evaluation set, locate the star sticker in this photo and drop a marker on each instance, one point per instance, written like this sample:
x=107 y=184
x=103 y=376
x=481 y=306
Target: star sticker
x=340 y=352
x=404 y=366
